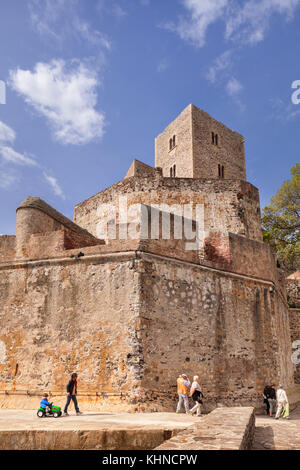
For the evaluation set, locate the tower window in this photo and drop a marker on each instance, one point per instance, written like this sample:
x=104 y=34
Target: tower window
x=214 y=138
x=172 y=142
x=173 y=171
x=221 y=171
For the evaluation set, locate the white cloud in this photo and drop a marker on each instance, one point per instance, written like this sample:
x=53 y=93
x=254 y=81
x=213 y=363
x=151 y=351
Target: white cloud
x=162 y=65
x=283 y=111
x=233 y=87
x=10 y=155
x=44 y=15
x=94 y=37
x=118 y=10
x=66 y=96
x=222 y=63
x=7 y=134
x=201 y=14
x=62 y=19
x=249 y=22
x=7 y=179
x=111 y=7
x=245 y=22
x=55 y=186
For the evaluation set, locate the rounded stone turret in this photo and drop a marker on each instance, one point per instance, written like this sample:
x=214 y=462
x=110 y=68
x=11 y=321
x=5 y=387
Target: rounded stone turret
x=35 y=216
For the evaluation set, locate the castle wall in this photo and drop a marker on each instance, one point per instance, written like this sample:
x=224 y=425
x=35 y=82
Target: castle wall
x=293 y=292
x=229 y=206
x=59 y=317
x=229 y=152
x=252 y=257
x=36 y=227
x=138 y=168
x=129 y=323
x=53 y=244
x=295 y=336
x=32 y=221
x=7 y=248
x=229 y=330
x=181 y=154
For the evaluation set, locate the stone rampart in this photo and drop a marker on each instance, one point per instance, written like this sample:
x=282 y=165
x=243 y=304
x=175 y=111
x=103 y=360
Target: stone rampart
x=105 y=316
x=223 y=429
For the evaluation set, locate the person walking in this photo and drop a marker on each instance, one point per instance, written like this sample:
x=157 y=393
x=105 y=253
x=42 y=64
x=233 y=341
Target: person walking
x=271 y=395
x=266 y=401
x=72 y=392
x=282 y=403
x=196 y=395
x=183 y=385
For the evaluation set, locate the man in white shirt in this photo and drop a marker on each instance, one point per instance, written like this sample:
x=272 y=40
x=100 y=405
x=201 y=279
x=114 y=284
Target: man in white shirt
x=282 y=401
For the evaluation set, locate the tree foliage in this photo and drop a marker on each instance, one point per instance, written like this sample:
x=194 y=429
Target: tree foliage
x=281 y=222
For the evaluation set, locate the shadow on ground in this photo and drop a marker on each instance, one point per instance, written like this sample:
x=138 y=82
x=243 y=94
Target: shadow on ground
x=263 y=438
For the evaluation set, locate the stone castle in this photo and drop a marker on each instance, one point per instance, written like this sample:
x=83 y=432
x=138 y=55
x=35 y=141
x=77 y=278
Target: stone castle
x=128 y=314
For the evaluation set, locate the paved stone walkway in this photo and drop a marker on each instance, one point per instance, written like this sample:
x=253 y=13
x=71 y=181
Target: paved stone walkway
x=222 y=429
x=277 y=434
x=11 y=420
x=23 y=430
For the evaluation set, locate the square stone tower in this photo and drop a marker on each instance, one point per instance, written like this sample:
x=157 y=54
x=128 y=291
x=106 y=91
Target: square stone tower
x=195 y=145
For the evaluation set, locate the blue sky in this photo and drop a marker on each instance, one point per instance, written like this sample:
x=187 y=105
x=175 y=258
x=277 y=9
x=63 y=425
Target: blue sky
x=90 y=83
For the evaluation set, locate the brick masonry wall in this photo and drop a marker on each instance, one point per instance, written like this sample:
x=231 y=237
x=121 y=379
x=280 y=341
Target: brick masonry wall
x=61 y=317
x=295 y=336
x=231 y=332
x=53 y=244
x=293 y=292
x=35 y=217
x=130 y=327
x=181 y=154
x=138 y=168
x=45 y=245
x=251 y=257
x=223 y=429
x=230 y=206
x=229 y=152
x=7 y=248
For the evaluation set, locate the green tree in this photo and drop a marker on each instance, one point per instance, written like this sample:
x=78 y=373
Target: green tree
x=281 y=222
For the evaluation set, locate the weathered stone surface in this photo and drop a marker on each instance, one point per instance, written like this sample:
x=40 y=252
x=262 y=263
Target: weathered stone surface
x=194 y=154
x=222 y=429
x=23 y=430
x=281 y=434
x=230 y=205
x=295 y=335
x=36 y=227
x=138 y=168
x=106 y=319
x=224 y=328
x=293 y=297
x=7 y=248
x=293 y=289
x=65 y=316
